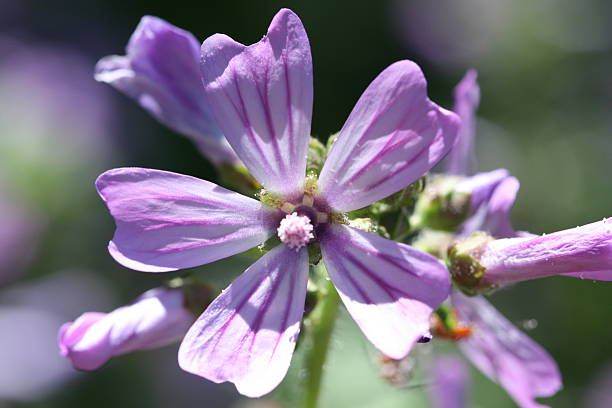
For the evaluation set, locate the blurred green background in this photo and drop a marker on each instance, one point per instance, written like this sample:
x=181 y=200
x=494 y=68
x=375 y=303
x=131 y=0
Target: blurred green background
x=546 y=95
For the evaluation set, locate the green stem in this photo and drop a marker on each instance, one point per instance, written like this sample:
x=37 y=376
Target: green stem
x=321 y=325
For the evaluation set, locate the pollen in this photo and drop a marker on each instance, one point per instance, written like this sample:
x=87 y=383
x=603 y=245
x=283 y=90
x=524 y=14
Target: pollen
x=295 y=231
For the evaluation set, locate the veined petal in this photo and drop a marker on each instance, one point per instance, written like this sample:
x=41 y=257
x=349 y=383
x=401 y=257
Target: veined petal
x=389 y=288
x=168 y=221
x=505 y=354
x=248 y=334
x=467 y=97
x=393 y=136
x=261 y=96
x=161 y=72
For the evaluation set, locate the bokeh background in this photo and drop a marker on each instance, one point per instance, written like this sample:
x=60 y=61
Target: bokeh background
x=544 y=69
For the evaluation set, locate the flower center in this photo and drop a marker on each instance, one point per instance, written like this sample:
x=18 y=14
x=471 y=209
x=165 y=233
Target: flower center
x=295 y=230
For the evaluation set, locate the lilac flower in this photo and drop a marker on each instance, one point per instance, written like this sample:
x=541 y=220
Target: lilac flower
x=155 y=319
x=505 y=354
x=261 y=97
x=450 y=383
x=161 y=71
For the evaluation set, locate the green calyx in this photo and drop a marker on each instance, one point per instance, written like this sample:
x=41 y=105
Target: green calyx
x=238 y=177
x=317 y=152
x=433 y=242
x=440 y=207
x=197 y=294
x=463 y=263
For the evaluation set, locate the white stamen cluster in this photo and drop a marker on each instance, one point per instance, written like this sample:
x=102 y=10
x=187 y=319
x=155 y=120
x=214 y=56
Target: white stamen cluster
x=295 y=231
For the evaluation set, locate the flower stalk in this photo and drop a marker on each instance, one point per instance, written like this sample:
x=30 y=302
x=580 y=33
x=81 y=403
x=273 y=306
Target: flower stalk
x=320 y=325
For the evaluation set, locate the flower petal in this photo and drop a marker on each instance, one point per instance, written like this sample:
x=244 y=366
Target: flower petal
x=261 y=96
x=248 y=334
x=497 y=220
x=168 y=221
x=467 y=97
x=393 y=136
x=389 y=288
x=505 y=354
x=161 y=72
x=492 y=197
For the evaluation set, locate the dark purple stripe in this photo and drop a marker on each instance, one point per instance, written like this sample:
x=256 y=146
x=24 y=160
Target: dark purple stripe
x=265 y=102
x=344 y=272
x=389 y=147
x=289 y=102
x=194 y=199
x=230 y=237
x=247 y=124
x=166 y=223
x=388 y=176
x=373 y=122
x=392 y=291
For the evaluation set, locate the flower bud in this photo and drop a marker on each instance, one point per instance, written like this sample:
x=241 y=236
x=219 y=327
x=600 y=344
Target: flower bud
x=480 y=262
x=155 y=319
x=441 y=207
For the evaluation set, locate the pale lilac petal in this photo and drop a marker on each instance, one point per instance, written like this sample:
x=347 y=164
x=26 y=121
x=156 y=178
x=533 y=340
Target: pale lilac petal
x=497 y=220
x=450 y=378
x=155 y=319
x=161 y=72
x=583 y=252
x=168 y=221
x=248 y=334
x=467 y=98
x=481 y=186
x=261 y=96
x=505 y=354
x=492 y=197
x=389 y=288
x=393 y=136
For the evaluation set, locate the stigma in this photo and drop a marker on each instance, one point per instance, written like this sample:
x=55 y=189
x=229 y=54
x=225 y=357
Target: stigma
x=295 y=230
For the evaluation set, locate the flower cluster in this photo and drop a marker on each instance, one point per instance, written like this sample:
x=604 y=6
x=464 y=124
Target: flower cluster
x=350 y=208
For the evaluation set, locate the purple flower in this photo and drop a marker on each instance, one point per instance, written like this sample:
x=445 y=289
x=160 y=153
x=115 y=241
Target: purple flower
x=261 y=96
x=505 y=354
x=161 y=71
x=155 y=319
x=450 y=383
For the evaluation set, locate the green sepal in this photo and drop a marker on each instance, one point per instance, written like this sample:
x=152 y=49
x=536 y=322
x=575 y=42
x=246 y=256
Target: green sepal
x=317 y=152
x=464 y=266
